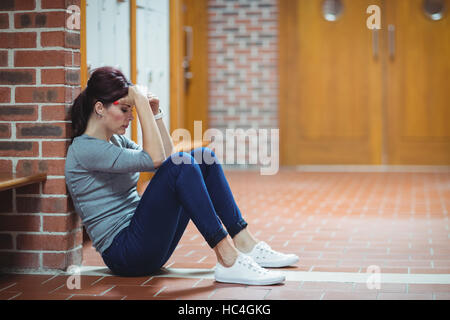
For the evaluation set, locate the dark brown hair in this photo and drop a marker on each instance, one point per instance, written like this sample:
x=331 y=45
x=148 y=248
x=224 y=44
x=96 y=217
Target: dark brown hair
x=106 y=84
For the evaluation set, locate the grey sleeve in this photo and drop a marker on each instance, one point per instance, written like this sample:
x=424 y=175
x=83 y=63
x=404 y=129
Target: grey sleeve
x=106 y=157
x=130 y=144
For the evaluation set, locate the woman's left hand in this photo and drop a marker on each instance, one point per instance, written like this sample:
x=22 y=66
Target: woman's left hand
x=154 y=102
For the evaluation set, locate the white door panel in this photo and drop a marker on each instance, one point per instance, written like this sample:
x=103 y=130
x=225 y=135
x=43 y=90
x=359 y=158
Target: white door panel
x=108 y=36
x=153 y=51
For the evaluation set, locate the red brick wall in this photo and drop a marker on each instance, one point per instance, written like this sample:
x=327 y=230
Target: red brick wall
x=39 y=77
x=243 y=65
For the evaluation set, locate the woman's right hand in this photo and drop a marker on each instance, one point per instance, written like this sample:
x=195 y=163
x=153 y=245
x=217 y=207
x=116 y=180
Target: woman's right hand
x=135 y=93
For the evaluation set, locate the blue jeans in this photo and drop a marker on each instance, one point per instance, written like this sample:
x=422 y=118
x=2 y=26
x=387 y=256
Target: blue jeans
x=193 y=189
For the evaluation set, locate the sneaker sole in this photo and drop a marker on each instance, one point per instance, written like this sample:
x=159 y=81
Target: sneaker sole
x=267 y=282
x=278 y=264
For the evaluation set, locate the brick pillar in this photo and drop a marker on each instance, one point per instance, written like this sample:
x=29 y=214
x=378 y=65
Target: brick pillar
x=243 y=64
x=39 y=78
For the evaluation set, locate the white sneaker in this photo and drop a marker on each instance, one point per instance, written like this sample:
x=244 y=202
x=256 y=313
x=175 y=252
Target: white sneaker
x=266 y=257
x=247 y=271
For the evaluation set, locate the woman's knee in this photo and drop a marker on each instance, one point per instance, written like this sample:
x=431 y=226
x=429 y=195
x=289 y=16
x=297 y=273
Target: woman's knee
x=173 y=164
x=195 y=160
x=181 y=158
x=204 y=155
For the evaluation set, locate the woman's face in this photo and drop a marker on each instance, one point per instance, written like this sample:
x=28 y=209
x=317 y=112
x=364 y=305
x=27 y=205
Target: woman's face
x=117 y=118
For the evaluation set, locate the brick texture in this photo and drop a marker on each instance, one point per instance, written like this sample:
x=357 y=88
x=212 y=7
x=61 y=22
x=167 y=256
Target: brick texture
x=243 y=69
x=39 y=77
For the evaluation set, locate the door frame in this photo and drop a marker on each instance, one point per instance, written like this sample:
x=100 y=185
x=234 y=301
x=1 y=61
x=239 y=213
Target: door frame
x=176 y=64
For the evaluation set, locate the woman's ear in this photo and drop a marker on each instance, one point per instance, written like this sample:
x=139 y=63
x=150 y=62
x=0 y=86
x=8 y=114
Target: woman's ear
x=99 y=108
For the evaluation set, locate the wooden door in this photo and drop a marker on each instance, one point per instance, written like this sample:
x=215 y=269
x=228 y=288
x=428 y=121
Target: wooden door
x=330 y=85
x=195 y=16
x=189 y=63
x=418 y=83
x=347 y=99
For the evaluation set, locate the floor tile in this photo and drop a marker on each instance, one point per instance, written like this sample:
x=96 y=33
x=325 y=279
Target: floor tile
x=289 y=294
x=339 y=295
x=240 y=293
x=335 y=222
x=133 y=292
x=404 y=296
x=420 y=288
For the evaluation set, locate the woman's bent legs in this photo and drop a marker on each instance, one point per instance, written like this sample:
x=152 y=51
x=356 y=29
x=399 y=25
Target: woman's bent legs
x=219 y=190
x=177 y=193
x=223 y=200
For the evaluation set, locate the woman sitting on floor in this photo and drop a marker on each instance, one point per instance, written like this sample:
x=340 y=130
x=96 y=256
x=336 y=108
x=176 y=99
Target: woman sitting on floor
x=137 y=235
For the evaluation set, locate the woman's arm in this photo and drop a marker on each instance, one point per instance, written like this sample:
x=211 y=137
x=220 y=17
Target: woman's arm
x=152 y=141
x=165 y=135
x=166 y=138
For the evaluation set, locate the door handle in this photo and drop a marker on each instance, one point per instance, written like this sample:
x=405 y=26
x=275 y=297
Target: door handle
x=189 y=42
x=188 y=75
x=375 y=43
x=391 y=31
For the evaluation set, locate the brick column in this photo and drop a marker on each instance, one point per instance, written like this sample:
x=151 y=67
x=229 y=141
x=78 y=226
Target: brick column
x=243 y=64
x=39 y=78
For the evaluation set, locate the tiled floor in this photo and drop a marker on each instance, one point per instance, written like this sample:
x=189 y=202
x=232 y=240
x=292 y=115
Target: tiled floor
x=338 y=223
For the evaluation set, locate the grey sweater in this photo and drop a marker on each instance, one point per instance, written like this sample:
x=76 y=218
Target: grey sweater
x=101 y=177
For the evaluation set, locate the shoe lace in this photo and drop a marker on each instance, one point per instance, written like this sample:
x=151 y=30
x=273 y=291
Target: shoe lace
x=248 y=262
x=264 y=248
